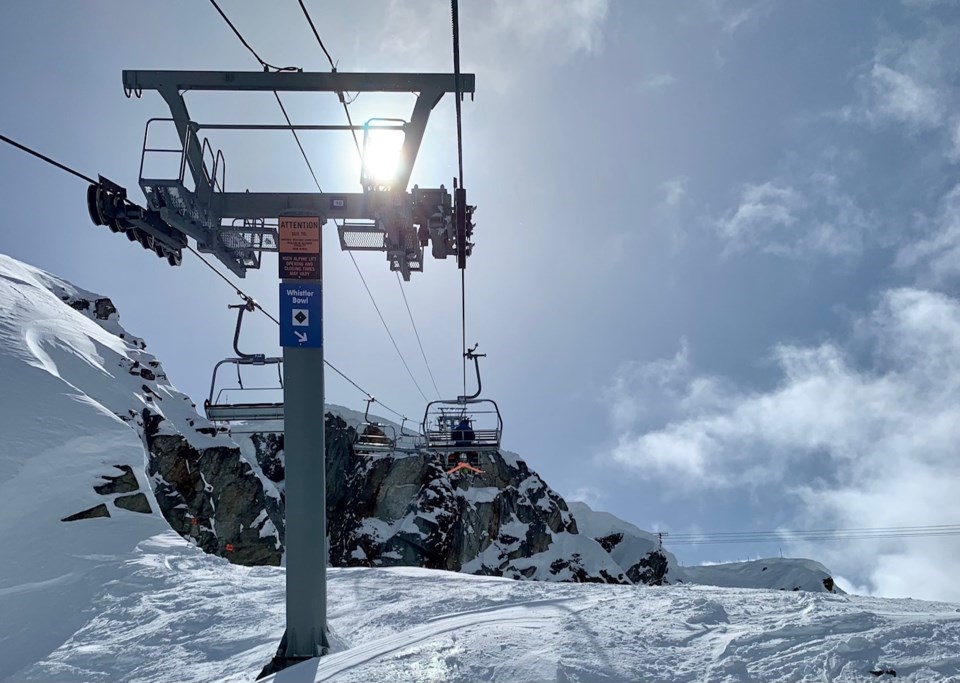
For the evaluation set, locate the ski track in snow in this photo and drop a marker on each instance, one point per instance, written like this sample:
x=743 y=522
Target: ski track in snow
x=173 y=613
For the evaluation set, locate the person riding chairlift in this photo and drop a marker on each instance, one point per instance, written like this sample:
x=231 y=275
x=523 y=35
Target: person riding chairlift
x=373 y=434
x=462 y=436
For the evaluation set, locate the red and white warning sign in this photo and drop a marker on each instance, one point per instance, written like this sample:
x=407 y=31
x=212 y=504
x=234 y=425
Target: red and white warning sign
x=299 y=235
x=300 y=250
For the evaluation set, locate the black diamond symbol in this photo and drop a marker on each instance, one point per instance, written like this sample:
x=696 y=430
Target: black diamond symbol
x=300 y=317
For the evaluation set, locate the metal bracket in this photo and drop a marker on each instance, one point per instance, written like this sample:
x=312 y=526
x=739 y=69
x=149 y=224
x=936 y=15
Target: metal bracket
x=399 y=222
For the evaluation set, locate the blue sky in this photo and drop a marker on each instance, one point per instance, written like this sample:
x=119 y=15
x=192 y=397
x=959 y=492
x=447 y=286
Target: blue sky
x=718 y=242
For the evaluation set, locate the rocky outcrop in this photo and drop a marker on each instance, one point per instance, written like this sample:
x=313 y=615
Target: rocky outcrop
x=114 y=485
x=91 y=513
x=403 y=509
x=640 y=553
x=123 y=483
x=210 y=495
x=135 y=503
x=651 y=569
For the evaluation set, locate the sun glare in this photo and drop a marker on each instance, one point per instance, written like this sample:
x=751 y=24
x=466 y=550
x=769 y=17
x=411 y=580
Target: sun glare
x=382 y=147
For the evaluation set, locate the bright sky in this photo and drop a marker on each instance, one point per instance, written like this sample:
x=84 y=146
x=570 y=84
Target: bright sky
x=718 y=242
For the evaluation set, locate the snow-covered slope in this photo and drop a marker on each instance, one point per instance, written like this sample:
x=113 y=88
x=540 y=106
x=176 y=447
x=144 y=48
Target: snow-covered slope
x=782 y=573
x=637 y=552
x=181 y=615
x=58 y=440
x=631 y=548
x=75 y=496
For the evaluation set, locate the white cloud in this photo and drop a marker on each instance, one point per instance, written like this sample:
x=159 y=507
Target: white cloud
x=903 y=98
x=886 y=438
x=566 y=27
x=927 y=4
x=634 y=382
x=658 y=82
x=670 y=211
x=937 y=255
x=910 y=82
x=674 y=191
x=762 y=209
x=954 y=153
x=671 y=380
x=783 y=219
x=590 y=495
x=733 y=15
x=498 y=39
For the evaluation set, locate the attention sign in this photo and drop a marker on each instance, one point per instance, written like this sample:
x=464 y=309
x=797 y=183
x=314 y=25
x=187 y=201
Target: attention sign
x=299 y=235
x=300 y=250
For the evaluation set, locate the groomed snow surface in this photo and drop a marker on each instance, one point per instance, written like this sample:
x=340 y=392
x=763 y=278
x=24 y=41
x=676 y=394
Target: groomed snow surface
x=175 y=614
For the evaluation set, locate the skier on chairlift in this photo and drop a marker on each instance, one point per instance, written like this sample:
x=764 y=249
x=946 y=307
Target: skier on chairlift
x=463 y=436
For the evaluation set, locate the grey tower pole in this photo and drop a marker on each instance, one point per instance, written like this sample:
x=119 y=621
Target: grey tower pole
x=306 y=520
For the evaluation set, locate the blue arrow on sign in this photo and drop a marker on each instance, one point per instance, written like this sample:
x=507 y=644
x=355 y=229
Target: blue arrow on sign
x=301 y=315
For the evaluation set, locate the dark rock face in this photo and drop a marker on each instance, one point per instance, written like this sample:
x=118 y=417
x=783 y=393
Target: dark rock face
x=404 y=510
x=123 y=483
x=135 y=503
x=650 y=570
x=97 y=511
x=103 y=309
x=610 y=542
x=391 y=509
x=269 y=450
x=211 y=496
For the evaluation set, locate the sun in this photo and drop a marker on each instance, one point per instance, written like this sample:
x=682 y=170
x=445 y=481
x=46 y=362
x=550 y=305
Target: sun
x=382 y=147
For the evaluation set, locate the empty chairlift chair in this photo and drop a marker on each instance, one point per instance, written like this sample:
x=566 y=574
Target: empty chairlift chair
x=220 y=408
x=374 y=437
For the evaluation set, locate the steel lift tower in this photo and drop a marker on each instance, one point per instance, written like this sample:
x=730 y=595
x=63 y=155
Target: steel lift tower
x=238 y=227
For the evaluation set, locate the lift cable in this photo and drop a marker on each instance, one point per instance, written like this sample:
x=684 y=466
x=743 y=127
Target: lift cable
x=239 y=291
x=455 y=15
x=389 y=334
x=373 y=300
x=333 y=67
x=265 y=65
x=256 y=303
x=317 y=35
x=455 y=20
x=297 y=138
x=320 y=190
x=422 y=352
x=813 y=535
x=47 y=159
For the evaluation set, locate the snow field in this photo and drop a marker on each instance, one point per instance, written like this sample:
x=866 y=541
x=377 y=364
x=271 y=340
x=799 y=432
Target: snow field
x=175 y=613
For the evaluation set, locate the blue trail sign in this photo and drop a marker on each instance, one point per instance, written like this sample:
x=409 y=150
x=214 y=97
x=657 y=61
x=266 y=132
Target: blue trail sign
x=301 y=315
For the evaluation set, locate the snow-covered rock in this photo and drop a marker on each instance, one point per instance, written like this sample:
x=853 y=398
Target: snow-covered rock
x=782 y=573
x=403 y=509
x=638 y=552
x=644 y=561
x=75 y=493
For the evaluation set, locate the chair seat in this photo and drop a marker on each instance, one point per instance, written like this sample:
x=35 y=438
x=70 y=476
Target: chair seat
x=244 y=411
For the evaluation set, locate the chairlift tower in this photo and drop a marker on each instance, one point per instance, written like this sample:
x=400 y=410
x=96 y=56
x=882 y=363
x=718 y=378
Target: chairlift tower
x=239 y=227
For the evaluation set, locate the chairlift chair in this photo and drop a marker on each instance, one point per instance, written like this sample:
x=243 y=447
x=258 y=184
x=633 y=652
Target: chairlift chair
x=374 y=437
x=217 y=406
x=481 y=417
